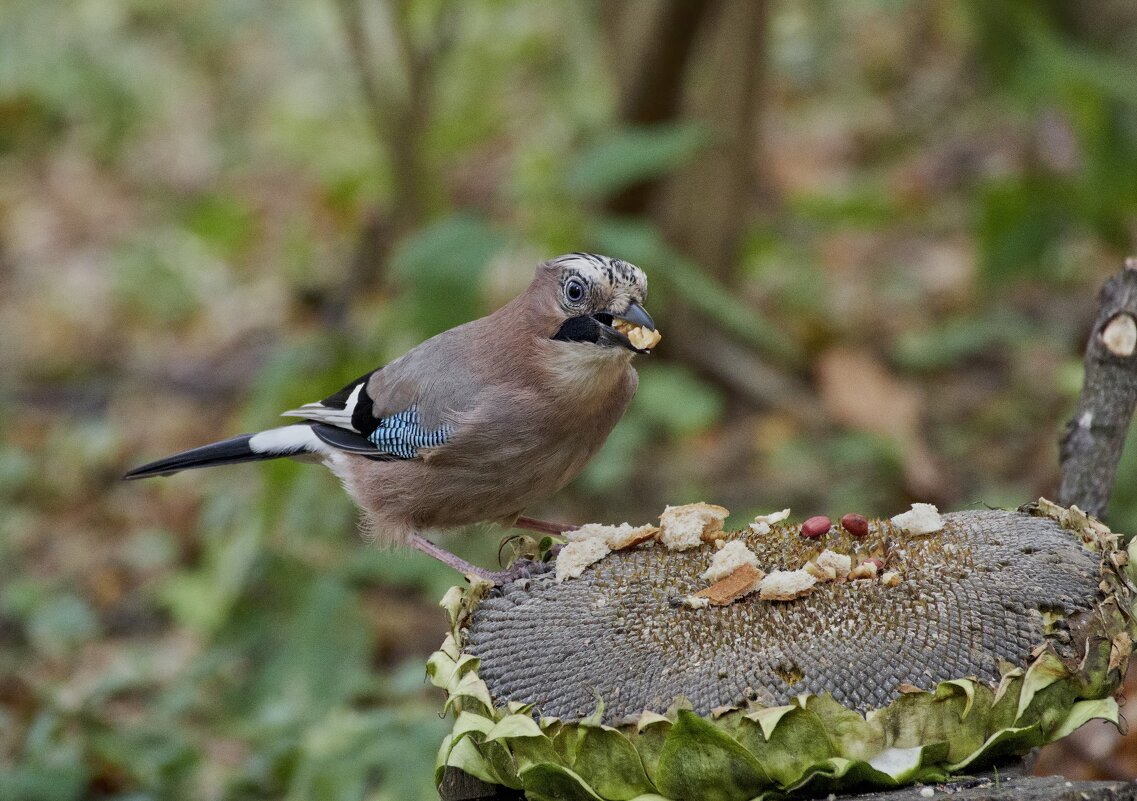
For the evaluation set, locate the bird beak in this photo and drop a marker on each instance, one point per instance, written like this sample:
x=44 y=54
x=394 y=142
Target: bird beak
x=634 y=329
x=631 y=328
x=637 y=315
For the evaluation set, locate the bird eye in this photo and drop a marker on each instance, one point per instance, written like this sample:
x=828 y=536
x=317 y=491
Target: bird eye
x=574 y=290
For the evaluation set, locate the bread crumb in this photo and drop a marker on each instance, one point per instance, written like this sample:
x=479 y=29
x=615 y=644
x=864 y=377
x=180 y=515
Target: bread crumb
x=762 y=523
x=785 y=585
x=618 y=537
x=890 y=578
x=695 y=601
x=684 y=527
x=576 y=556
x=865 y=570
x=729 y=558
x=822 y=573
x=742 y=581
x=773 y=517
x=840 y=563
x=922 y=518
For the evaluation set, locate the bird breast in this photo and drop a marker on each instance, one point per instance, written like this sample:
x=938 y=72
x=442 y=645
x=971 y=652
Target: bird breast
x=585 y=372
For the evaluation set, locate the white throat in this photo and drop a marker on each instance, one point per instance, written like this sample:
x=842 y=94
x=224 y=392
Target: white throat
x=580 y=367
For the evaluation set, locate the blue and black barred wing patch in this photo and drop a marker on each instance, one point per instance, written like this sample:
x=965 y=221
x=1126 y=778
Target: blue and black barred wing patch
x=402 y=435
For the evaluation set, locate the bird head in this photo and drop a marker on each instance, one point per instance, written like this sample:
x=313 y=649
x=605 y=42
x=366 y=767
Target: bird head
x=599 y=302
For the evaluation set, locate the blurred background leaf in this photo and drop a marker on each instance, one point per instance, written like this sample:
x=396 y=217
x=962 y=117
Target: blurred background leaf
x=442 y=266
x=623 y=158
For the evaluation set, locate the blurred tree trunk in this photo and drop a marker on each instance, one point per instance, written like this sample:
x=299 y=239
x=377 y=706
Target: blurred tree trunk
x=703 y=62
x=651 y=61
x=399 y=112
x=700 y=61
x=396 y=73
x=707 y=203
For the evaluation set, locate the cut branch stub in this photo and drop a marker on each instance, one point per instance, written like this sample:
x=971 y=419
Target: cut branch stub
x=1094 y=437
x=1120 y=335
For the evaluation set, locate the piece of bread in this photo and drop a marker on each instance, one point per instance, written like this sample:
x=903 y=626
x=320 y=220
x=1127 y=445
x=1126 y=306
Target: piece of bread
x=785 y=585
x=762 y=523
x=729 y=558
x=742 y=581
x=922 y=518
x=618 y=537
x=640 y=336
x=576 y=556
x=865 y=570
x=644 y=338
x=840 y=563
x=822 y=573
x=684 y=527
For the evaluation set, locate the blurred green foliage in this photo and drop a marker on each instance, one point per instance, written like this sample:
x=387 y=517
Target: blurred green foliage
x=626 y=157
x=1043 y=62
x=442 y=267
x=185 y=196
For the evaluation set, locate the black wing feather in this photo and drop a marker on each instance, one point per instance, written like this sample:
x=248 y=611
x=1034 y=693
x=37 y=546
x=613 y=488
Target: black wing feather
x=349 y=441
x=228 y=451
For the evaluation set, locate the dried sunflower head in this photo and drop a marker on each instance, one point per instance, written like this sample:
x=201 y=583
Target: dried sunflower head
x=1006 y=630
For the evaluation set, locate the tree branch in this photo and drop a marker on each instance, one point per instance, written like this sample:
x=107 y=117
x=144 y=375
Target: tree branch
x=399 y=119
x=652 y=85
x=708 y=200
x=377 y=102
x=1094 y=437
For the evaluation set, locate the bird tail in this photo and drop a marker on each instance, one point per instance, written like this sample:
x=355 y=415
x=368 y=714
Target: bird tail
x=272 y=444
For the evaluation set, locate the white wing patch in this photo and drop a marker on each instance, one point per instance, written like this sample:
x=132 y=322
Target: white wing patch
x=287 y=439
x=327 y=414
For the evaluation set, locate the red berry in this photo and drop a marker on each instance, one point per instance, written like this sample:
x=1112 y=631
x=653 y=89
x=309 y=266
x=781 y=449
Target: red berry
x=855 y=524
x=815 y=526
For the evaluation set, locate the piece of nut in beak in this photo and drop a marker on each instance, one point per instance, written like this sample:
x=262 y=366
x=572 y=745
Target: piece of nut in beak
x=643 y=338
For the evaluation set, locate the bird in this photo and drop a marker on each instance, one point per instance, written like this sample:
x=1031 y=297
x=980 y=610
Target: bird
x=478 y=422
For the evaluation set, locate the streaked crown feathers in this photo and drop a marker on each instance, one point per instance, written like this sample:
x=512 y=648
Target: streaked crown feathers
x=611 y=277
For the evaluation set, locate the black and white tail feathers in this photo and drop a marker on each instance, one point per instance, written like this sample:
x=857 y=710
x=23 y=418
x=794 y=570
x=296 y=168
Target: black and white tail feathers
x=272 y=444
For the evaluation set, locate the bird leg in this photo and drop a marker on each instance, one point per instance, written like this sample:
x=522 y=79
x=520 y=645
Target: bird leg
x=542 y=526
x=522 y=568
x=444 y=556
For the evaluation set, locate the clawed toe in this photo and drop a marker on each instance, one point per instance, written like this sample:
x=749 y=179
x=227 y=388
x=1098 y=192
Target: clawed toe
x=523 y=568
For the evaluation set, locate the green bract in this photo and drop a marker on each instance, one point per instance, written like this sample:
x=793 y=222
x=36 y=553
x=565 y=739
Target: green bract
x=810 y=744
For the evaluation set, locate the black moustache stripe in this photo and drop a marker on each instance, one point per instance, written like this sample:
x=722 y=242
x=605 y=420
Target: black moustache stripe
x=579 y=329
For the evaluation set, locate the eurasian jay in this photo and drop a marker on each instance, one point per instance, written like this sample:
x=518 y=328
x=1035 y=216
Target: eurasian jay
x=480 y=421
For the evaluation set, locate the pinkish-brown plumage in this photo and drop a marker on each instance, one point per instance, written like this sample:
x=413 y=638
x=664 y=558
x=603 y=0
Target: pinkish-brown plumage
x=480 y=421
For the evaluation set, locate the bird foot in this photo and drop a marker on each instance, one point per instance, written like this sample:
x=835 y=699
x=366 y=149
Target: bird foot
x=520 y=569
x=523 y=568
